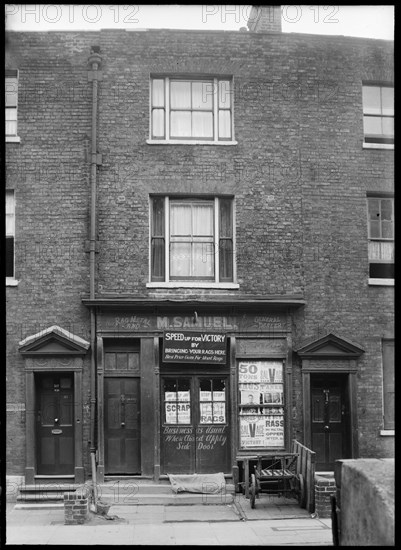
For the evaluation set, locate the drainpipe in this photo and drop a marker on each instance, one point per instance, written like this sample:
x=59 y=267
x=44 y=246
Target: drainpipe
x=93 y=76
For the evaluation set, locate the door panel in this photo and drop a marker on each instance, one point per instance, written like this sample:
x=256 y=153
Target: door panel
x=330 y=421
x=55 y=424
x=122 y=426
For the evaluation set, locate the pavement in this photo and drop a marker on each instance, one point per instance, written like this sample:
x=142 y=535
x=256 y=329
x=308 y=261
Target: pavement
x=275 y=521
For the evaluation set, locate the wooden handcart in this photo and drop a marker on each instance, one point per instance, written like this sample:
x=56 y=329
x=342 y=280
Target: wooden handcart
x=274 y=473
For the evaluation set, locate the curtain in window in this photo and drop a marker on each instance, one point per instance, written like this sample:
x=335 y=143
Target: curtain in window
x=158 y=240
x=226 y=240
x=191 y=249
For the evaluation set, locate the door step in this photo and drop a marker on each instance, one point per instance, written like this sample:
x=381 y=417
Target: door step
x=131 y=493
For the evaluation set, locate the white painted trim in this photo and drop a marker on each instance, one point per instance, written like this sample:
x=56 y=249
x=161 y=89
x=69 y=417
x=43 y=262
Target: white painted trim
x=10 y=281
x=387 y=432
x=187 y=142
x=381 y=282
x=195 y=284
x=378 y=146
x=13 y=139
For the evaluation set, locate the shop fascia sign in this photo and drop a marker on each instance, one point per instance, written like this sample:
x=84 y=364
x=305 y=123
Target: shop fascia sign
x=194 y=347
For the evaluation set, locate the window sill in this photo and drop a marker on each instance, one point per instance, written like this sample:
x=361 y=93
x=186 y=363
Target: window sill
x=187 y=142
x=13 y=139
x=10 y=281
x=387 y=432
x=189 y=284
x=378 y=146
x=381 y=282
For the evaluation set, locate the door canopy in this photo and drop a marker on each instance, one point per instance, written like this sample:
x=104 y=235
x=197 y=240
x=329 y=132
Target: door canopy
x=330 y=346
x=53 y=341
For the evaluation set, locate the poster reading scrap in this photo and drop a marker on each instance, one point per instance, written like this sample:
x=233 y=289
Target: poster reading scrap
x=178 y=407
x=261 y=401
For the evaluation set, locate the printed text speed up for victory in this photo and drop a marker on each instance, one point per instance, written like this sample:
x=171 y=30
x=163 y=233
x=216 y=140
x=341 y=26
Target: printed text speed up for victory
x=202 y=338
x=183 y=346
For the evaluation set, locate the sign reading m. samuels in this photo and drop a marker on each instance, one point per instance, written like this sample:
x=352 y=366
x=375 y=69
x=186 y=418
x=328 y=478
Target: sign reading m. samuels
x=194 y=347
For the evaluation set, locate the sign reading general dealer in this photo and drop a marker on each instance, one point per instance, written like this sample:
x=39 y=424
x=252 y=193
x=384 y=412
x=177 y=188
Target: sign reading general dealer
x=194 y=347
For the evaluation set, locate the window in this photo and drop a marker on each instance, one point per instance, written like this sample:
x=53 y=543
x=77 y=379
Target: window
x=378 y=114
x=388 y=384
x=261 y=403
x=11 y=100
x=381 y=237
x=10 y=233
x=192 y=240
x=177 y=401
x=191 y=109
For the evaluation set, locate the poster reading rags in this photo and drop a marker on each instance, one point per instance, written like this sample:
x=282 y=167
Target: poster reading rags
x=262 y=431
x=194 y=347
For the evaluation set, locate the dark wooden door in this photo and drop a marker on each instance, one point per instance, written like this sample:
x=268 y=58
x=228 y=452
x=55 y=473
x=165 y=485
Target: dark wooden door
x=329 y=421
x=55 y=424
x=122 y=426
x=195 y=426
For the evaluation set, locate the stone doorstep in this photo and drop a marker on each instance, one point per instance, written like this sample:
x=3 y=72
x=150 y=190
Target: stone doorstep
x=130 y=488
x=180 y=499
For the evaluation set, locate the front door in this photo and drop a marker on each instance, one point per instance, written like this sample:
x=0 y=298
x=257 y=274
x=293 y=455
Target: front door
x=195 y=427
x=55 y=423
x=122 y=426
x=329 y=419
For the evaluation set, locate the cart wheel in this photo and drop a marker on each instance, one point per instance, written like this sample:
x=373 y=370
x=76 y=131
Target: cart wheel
x=252 y=494
x=301 y=491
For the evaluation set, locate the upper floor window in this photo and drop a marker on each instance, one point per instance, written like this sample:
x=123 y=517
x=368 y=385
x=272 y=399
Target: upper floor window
x=378 y=114
x=11 y=101
x=192 y=240
x=388 y=384
x=191 y=109
x=10 y=233
x=381 y=237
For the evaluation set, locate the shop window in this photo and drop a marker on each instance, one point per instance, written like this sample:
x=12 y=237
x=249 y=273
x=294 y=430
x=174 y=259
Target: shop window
x=381 y=238
x=11 y=103
x=378 y=114
x=261 y=404
x=177 y=400
x=388 y=384
x=10 y=233
x=192 y=240
x=191 y=109
x=212 y=401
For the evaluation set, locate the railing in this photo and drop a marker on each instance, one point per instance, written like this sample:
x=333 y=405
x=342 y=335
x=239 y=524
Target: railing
x=306 y=466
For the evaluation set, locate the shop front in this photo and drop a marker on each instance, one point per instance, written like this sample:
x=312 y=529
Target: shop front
x=191 y=388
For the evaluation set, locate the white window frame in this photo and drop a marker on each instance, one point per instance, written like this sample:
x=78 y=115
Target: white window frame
x=11 y=281
x=376 y=281
x=386 y=431
x=190 y=141
x=167 y=283
x=12 y=74
x=376 y=144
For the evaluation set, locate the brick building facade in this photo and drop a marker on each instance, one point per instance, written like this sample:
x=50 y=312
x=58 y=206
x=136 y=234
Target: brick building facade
x=230 y=188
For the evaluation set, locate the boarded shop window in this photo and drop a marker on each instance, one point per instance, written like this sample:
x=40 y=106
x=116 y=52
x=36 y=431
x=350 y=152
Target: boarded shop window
x=191 y=109
x=378 y=113
x=192 y=239
x=388 y=384
x=381 y=237
x=261 y=404
x=11 y=101
x=177 y=400
x=10 y=233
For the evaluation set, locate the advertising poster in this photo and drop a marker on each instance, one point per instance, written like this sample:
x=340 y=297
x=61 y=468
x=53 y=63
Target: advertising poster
x=267 y=372
x=262 y=431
